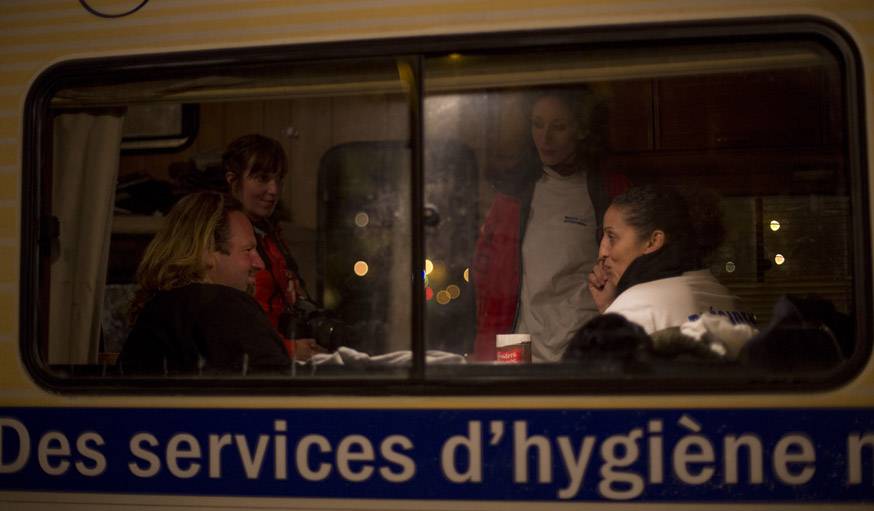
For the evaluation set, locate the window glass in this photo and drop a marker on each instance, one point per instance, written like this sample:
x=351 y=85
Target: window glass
x=342 y=213
x=678 y=212
x=541 y=143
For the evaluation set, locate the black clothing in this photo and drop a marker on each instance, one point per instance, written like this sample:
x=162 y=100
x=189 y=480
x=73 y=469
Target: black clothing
x=669 y=261
x=806 y=333
x=606 y=336
x=215 y=323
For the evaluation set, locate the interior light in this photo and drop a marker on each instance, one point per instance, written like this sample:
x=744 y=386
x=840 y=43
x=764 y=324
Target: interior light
x=467 y=274
x=330 y=298
x=362 y=219
x=360 y=268
x=775 y=225
x=454 y=291
x=730 y=267
x=443 y=297
x=437 y=274
x=779 y=259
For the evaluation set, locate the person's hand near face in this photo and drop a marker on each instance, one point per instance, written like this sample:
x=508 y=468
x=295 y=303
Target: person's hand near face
x=295 y=288
x=600 y=287
x=620 y=246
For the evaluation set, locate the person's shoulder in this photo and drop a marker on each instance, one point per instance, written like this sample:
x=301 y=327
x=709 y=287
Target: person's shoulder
x=700 y=277
x=703 y=281
x=670 y=291
x=636 y=296
x=637 y=305
x=216 y=295
x=517 y=182
x=660 y=285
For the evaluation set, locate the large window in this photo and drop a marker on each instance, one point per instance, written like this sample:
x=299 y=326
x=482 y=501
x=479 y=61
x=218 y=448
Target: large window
x=441 y=195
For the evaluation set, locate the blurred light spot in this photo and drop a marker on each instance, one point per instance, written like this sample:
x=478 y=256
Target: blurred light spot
x=775 y=225
x=429 y=293
x=362 y=219
x=467 y=274
x=779 y=259
x=443 y=297
x=730 y=267
x=454 y=56
x=330 y=298
x=360 y=268
x=438 y=273
x=454 y=291
x=429 y=267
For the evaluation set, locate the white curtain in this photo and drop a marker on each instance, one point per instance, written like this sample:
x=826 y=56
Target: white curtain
x=86 y=154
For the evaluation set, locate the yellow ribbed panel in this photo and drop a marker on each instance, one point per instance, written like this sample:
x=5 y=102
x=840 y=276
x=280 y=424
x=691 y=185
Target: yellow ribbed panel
x=8 y=269
x=15 y=81
x=8 y=186
x=9 y=149
x=9 y=128
x=8 y=223
x=8 y=164
x=187 y=24
x=11 y=376
x=8 y=301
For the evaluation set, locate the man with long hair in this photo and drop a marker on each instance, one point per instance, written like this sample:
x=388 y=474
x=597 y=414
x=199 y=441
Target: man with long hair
x=193 y=308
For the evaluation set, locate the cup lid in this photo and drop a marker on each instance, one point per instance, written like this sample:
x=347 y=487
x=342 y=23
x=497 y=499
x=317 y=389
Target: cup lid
x=502 y=340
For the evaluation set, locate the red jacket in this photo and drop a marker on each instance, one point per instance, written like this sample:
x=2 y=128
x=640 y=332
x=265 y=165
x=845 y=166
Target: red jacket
x=497 y=266
x=271 y=283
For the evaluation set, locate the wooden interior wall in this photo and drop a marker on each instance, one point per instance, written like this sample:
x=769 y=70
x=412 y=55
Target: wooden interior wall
x=306 y=128
x=768 y=134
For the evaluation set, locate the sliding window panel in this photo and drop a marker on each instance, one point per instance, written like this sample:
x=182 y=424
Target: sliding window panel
x=338 y=211
x=535 y=147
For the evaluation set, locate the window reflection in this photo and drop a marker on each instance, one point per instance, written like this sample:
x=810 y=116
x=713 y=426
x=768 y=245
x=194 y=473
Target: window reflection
x=762 y=126
x=343 y=208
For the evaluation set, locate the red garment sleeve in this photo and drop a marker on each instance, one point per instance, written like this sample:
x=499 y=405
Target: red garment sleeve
x=496 y=274
x=271 y=284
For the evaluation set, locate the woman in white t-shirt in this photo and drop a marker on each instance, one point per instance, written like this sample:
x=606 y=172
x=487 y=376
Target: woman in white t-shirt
x=651 y=266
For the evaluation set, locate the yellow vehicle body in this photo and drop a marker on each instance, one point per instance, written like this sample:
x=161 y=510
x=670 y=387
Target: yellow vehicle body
x=35 y=35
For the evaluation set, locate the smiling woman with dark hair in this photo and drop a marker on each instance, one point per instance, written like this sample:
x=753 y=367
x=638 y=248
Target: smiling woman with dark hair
x=255 y=167
x=651 y=266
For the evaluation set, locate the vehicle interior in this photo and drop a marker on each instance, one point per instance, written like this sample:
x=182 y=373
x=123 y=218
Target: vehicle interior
x=387 y=152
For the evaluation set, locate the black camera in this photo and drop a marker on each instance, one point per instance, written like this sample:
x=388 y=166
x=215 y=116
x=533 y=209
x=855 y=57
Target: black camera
x=306 y=320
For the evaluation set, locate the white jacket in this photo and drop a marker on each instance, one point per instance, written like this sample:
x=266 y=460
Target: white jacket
x=665 y=303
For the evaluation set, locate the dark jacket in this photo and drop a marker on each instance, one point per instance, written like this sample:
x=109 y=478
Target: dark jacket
x=497 y=267
x=206 y=326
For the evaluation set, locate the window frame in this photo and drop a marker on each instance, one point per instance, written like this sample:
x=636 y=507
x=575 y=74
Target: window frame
x=38 y=229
